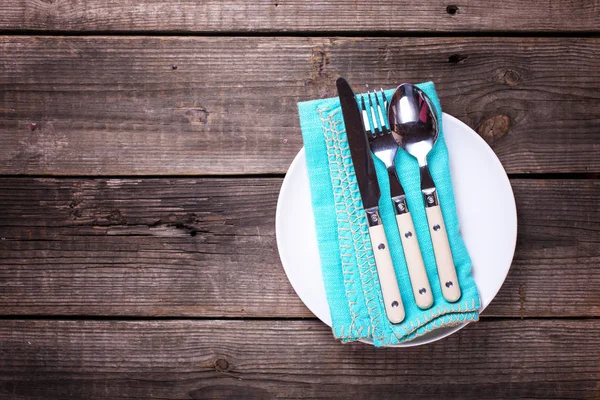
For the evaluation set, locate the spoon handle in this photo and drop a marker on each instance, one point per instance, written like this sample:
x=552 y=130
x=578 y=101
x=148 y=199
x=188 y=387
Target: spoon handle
x=443 y=255
x=414 y=261
x=394 y=308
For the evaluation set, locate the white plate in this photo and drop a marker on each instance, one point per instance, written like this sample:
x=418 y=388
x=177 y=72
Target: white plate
x=486 y=210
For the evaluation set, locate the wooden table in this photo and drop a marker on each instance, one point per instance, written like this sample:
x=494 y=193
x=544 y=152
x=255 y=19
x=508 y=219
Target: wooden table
x=143 y=145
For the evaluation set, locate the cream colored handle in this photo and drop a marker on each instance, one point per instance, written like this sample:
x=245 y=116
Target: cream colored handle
x=414 y=261
x=443 y=255
x=387 y=276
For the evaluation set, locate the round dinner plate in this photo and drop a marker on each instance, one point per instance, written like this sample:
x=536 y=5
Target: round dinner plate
x=486 y=210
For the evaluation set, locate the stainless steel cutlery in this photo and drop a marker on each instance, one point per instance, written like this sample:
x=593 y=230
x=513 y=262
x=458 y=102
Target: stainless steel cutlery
x=370 y=193
x=384 y=146
x=410 y=123
x=373 y=126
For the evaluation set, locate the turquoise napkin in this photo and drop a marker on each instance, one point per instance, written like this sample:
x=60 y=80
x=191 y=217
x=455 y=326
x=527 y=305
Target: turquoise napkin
x=347 y=262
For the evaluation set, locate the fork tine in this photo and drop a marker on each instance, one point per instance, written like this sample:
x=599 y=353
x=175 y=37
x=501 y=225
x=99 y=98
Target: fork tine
x=385 y=105
x=380 y=112
x=365 y=117
x=373 y=115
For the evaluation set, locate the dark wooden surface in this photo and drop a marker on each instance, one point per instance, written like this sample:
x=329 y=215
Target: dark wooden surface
x=142 y=147
x=116 y=106
x=537 y=359
x=275 y=16
x=185 y=247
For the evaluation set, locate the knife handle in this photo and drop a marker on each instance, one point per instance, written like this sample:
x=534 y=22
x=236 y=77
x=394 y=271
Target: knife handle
x=443 y=255
x=414 y=261
x=387 y=276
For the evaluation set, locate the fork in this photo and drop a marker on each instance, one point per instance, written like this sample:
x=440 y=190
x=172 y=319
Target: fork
x=384 y=146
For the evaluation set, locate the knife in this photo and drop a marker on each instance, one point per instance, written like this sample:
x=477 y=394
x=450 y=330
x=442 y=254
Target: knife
x=370 y=193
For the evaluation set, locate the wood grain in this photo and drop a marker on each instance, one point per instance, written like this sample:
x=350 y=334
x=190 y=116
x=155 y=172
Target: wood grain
x=183 y=16
x=206 y=248
x=227 y=105
x=229 y=359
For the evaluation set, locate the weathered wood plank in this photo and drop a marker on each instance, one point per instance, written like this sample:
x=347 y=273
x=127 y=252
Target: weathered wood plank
x=548 y=359
x=298 y=15
x=222 y=105
x=206 y=247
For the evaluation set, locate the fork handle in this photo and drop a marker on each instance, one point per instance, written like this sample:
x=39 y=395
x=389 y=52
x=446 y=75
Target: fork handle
x=414 y=261
x=390 y=291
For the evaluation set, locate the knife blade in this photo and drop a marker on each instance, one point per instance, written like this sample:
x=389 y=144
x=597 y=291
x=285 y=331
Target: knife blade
x=368 y=186
x=359 y=146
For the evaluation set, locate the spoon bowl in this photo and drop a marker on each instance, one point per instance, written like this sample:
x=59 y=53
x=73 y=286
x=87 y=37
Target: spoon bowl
x=413 y=121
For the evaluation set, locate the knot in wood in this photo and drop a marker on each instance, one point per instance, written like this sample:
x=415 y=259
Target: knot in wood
x=512 y=78
x=197 y=115
x=494 y=128
x=32 y=126
x=221 y=364
x=116 y=217
x=457 y=58
x=451 y=9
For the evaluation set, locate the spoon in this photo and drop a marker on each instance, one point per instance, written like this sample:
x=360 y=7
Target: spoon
x=414 y=124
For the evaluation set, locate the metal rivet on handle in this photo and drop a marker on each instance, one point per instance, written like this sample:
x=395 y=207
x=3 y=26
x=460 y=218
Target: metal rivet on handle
x=408 y=234
x=395 y=304
x=381 y=246
x=436 y=227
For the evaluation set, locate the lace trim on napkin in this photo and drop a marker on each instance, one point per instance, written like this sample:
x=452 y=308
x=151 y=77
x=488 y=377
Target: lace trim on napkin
x=353 y=233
